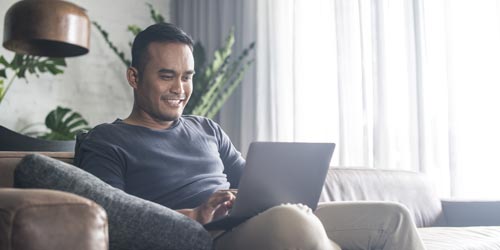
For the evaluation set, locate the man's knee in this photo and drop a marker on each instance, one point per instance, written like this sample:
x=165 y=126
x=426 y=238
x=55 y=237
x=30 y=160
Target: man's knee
x=289 y=216
x=295 y=226
x=279 y=228
x=399 y=211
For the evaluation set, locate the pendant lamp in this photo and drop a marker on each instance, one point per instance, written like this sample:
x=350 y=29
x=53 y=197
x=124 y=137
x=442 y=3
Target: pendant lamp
x=52 y=28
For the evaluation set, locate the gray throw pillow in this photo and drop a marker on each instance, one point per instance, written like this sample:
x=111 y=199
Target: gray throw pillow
x=134 y=223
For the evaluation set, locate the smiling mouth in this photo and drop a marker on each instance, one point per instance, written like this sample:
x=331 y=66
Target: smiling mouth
x=174 y=102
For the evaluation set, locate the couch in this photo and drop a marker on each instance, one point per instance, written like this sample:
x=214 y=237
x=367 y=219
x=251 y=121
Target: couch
x=442 y=224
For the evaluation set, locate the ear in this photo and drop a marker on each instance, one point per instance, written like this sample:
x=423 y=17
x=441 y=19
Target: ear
x=133 y=77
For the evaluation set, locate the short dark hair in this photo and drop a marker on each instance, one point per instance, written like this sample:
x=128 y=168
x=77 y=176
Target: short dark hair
x=160 y=32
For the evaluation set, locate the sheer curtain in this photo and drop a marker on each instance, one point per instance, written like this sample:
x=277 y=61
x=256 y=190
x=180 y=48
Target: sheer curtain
x=402 y=84
x=463 y=41
x=342 y=71
x=409 y=84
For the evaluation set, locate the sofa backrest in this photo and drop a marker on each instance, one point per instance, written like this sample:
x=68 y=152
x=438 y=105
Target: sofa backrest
x=411 y=189
x=10 y=159
x=13 y=141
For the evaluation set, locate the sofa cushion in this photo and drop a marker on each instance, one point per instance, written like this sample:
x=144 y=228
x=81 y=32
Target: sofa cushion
x=134 y=223
x=461 y=238
x=411 y=189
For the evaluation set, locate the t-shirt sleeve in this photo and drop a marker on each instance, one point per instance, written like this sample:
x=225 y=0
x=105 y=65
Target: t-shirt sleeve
x=101 y=160
x=231 y=157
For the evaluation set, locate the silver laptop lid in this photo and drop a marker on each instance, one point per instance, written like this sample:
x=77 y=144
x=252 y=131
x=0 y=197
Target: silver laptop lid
x=282 y=172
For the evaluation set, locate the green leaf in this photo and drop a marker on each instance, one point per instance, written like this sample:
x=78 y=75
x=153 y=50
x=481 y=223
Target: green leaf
x=77 y=124
x=155 y=15
x=17 y=61
x=55 y=118
x=218 y=80
x=134 y=29
x=42 y=68
x=21 y=73
x=71 y=118
x=53 y=69
x=3 y=61
x=3 y=73
x=2 y=90
x=230 y=87
x=58 y=61
x=64 y=124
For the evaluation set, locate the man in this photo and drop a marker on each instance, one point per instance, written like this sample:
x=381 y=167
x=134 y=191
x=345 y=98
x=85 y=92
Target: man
x=184 y=163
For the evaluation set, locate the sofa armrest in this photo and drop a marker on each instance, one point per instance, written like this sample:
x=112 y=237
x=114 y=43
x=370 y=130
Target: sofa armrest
x=463 y=213
x=44 y=219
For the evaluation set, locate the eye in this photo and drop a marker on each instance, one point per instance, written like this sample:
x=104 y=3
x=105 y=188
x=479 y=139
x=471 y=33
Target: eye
x=166 y=77
x=187 y=78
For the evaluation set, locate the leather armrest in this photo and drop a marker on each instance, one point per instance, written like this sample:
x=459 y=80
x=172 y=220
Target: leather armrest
x=464 y=213
x=44 y=219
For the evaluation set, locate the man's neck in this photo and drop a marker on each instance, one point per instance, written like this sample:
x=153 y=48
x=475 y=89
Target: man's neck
x=145 y=120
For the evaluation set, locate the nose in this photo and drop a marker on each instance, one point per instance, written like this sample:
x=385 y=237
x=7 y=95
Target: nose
x=177 y=87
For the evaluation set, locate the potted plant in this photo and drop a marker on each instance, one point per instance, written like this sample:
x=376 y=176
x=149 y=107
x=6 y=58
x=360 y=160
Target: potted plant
x=62 y=123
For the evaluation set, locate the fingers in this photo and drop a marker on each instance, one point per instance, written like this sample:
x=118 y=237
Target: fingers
x=232 y=190
x=225 y=198
x=217 y=204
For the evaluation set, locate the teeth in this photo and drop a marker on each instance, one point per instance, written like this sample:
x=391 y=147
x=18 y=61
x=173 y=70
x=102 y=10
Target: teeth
x=174 y=102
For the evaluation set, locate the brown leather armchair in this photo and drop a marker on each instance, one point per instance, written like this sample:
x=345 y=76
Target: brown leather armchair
x=45 y=219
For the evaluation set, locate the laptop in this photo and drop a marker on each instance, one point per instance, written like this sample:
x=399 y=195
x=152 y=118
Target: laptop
x=276 y=173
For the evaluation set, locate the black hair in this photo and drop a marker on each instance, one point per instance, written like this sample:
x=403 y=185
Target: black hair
x=160 y=32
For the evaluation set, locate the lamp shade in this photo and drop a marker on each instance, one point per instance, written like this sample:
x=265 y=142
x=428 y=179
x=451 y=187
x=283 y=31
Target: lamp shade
x=52 y=28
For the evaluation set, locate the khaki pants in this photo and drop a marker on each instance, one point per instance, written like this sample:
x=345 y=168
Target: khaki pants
x=351 y=225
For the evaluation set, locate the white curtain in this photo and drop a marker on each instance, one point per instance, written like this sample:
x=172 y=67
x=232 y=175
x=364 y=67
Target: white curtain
x=341 y=71
x=463 y=50
x=402 y=84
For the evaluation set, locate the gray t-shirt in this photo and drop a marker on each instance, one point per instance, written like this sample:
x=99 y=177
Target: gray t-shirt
x=179 y=167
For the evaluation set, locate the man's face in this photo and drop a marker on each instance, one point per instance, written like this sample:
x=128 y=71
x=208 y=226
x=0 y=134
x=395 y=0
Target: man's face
x=165 y=83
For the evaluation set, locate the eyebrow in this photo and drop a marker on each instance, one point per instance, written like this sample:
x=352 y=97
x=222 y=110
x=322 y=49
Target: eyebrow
x=171 y=71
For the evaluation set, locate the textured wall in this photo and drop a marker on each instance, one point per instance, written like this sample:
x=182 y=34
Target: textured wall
x=93 y=84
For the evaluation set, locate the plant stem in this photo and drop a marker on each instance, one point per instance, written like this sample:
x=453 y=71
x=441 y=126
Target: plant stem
x=111 y=45
x=8 y=86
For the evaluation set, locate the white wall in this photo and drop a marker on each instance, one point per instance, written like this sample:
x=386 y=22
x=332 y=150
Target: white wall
x=93 y=84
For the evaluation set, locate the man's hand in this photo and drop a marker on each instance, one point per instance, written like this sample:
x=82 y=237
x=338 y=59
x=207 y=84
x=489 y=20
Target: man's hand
x=217 y=205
